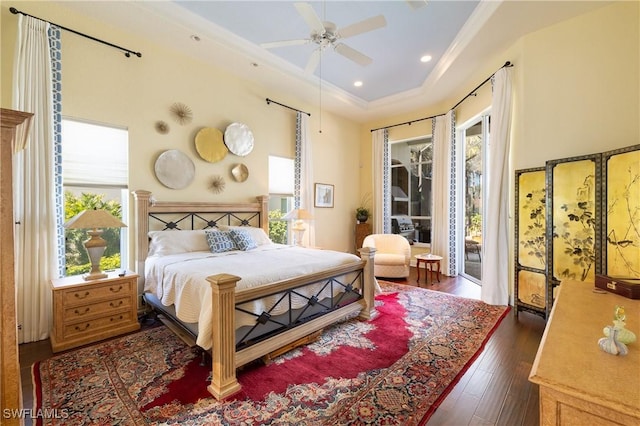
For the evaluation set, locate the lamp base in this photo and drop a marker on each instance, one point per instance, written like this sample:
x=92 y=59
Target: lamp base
x=89 y=277
x=95 y=246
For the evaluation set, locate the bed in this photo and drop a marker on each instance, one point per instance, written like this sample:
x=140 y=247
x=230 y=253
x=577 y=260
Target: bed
x=244 y=302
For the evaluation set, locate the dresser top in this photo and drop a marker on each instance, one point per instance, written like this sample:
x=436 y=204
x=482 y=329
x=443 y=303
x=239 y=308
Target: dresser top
x=569 y=359
x=78 y=280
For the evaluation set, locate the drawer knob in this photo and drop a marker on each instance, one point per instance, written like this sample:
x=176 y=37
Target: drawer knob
x=115 y=290
x=78 y=328
x=115 y=305
x=115 y=319
x=77 y=312
x=80 y=296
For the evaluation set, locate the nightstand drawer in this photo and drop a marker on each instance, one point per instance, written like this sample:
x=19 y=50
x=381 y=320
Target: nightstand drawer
x=93 y=326
x=89 y=294
x=73 y=314
x=89 y=311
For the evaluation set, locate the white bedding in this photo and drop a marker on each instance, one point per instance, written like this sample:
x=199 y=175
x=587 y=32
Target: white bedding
x=180 y=279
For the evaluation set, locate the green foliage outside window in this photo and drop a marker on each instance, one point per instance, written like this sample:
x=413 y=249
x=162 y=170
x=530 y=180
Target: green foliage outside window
x=76 y=258
x=277 y=228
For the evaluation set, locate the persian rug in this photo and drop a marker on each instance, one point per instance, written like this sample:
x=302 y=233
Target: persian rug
x=394 y=369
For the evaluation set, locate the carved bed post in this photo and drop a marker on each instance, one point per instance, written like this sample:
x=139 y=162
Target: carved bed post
x=369 y=288
x=141 y=211
x=223 y=350
x=264 y=212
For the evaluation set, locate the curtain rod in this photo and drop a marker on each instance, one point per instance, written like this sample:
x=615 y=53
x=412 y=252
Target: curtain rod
x=271 y=101
x=507 y=64
x=126 y=51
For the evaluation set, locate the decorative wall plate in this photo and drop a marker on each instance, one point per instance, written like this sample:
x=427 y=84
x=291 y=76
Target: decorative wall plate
x=239 y=139
x=210 y=145
x=240 y=172
x=174 y=169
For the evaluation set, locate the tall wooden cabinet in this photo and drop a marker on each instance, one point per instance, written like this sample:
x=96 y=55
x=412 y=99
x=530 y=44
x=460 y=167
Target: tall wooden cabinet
x=15 y=126
x=362 y=230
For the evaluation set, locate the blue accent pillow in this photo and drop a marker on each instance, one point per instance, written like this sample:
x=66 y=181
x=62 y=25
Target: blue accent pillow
x=243 y=239
x=219 y=241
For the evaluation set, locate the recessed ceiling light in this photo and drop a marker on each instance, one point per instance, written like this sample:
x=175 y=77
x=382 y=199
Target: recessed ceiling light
x=425 y=58
x=195 y=37
x=357 y=84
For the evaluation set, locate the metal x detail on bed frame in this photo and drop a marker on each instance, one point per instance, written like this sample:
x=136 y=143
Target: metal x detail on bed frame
x=197 y=220
x=296 y=317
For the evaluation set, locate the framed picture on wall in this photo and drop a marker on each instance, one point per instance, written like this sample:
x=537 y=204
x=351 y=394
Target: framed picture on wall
x=323 y=195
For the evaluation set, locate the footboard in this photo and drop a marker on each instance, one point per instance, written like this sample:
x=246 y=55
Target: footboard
x=227 y=356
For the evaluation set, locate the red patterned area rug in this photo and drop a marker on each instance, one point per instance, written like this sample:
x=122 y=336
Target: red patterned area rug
x=392 y=370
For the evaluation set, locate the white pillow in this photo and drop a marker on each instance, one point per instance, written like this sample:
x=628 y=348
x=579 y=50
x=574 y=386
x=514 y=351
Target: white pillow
x=257 y=234
x=164 y=243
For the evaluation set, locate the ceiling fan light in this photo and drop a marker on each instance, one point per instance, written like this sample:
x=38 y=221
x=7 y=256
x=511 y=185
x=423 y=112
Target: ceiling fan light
x=357 y=83
x=425 y=58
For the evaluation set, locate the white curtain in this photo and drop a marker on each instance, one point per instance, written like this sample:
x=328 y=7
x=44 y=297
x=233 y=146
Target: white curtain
x=443 y=223
x=381 y=186
x=34 y=177
x=304 y=190
x=495 y=238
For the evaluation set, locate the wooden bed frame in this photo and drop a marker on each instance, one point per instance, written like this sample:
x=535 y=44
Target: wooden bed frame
x=226 y=358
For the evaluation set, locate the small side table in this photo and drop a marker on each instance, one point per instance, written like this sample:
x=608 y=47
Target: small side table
x=431 y=265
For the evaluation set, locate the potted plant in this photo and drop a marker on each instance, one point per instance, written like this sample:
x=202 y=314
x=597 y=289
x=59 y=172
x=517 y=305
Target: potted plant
x=362 y=214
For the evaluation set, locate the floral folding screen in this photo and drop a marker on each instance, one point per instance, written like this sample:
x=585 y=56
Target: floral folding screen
x=575 y=218
x=621 y=212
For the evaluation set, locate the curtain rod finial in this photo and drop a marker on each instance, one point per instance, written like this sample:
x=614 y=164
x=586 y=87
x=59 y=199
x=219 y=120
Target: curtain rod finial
x=14 y=10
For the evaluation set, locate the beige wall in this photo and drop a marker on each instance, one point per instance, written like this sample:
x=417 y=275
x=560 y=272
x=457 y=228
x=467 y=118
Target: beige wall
x=576 y=91
x=576 y=88
x=100 y=84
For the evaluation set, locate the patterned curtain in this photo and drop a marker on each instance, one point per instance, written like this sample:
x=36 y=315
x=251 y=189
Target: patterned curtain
x=303 y=176
x=381 y=183
x=37 y=176
x=495 y=239
x=443 y=242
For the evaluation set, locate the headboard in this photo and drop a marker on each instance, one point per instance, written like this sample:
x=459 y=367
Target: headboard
x=151 y=215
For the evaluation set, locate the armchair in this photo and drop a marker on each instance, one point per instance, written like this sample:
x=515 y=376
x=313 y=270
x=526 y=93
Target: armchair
x=393 y=255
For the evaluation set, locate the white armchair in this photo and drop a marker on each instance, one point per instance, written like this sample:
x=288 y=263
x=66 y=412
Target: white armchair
x=393 y=255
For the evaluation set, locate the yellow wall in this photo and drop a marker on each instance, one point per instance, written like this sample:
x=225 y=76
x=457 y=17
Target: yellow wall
x=576 y=89
x=100 y=84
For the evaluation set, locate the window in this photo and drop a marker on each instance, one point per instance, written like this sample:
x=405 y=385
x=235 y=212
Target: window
x=95 y=167
x=281 y=178
x=411 y=178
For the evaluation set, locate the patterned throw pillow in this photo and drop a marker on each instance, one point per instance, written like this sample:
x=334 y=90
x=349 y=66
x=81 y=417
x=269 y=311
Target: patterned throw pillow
x=219 y=241
x=243 y=239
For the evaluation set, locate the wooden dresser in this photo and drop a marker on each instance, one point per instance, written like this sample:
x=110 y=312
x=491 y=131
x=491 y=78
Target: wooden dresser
x=579 y=383
x=88 y=311
x=15 y=127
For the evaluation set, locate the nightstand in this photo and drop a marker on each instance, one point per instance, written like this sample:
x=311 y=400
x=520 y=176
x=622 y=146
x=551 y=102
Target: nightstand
x=88 y=311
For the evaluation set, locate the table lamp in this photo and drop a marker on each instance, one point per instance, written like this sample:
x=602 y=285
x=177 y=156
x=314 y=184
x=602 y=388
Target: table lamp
x=95 y=245
x=298 y=216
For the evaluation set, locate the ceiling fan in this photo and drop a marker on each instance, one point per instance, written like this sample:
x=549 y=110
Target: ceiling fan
x=326 y=34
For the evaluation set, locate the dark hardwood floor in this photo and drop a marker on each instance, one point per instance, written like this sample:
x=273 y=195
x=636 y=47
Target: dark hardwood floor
x=493 y=391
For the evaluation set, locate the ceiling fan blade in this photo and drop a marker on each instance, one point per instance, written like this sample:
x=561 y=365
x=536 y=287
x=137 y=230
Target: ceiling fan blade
x=313 y=62
x=353 y=54
x=310 y=17
x=363 y=26
x=273 y=44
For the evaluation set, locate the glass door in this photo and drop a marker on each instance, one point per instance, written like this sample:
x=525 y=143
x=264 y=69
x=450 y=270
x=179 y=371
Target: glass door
x=474 y=138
